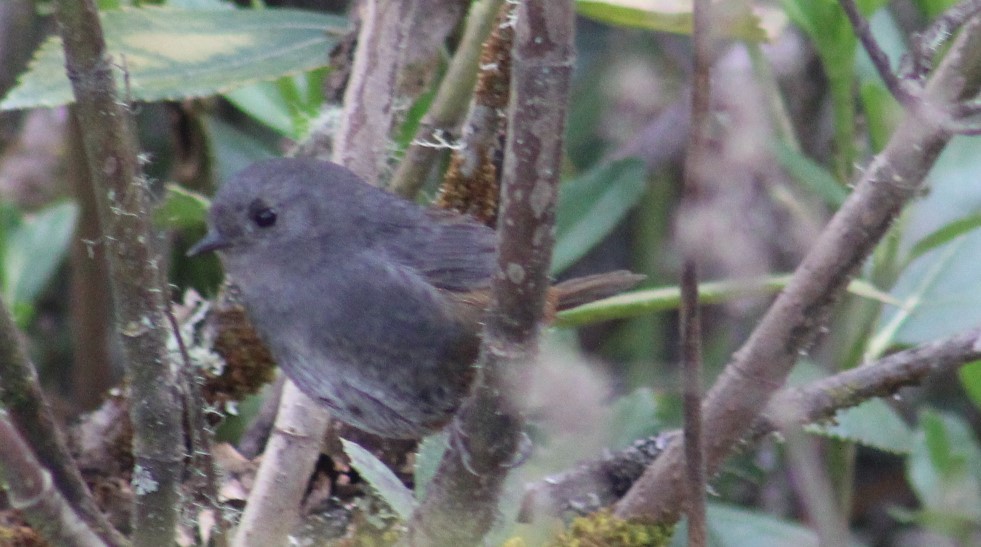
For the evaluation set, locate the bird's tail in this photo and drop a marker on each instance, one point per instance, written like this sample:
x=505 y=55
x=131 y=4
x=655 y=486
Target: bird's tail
x=590 y=288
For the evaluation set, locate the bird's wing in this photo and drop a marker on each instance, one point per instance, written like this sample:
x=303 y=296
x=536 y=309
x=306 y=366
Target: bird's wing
x=452 y=252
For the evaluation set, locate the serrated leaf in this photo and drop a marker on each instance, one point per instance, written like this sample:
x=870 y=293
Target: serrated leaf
x=32 y=251
x=592 y=205
x=873 y=423
x=172 y=54
x=181 y=208
x=381 y=478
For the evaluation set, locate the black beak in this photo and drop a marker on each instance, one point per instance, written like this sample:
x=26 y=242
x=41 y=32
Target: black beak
x=212 y=241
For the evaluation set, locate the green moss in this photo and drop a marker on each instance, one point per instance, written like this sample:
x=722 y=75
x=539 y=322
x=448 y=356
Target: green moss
x=603 y=529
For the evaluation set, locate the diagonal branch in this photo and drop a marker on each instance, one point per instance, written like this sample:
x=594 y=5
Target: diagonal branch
x=793 y=321
x=596 y=484
x=32 y=492
x=25 y=407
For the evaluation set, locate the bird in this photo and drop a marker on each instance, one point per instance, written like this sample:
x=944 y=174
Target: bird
x=371 y=304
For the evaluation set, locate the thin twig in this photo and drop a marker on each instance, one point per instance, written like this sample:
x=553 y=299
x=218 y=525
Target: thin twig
x=200 y=435
x=691 y=329
x=691 y=350
x=879 y=58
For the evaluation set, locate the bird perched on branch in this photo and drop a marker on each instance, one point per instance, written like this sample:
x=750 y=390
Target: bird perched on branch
x=371 y=304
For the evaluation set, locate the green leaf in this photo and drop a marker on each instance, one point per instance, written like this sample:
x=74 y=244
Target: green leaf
x=428 y=456
x=810 y=174
x=872 y=423
x=882 y=111
x=741 y=21
x=172 y=54
x=945 y=234
x=970 y=375
x=31 y=253
x=381 y=478
x=182 y=208
x=944 y=467
x=939 y=288
x=285 y=105
x=234 y=149
x=932 y=8
x=635 y=416
x=592 y=205
x=730 y=526
x=646 y=301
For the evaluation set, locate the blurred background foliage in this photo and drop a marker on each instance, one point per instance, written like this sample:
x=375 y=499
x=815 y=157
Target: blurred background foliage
x=798 y=112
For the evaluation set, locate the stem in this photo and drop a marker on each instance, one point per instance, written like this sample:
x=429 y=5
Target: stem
x=123 y=202
x=24 y=405
x=461 y=501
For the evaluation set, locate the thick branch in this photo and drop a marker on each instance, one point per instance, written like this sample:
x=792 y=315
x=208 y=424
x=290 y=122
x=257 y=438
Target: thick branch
x=596 y=484
x=794 y=319
x=123 y=199
x=461 y=502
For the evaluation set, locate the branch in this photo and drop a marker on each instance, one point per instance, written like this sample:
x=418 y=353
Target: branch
x=907 y=88
x=461 y=501
x=31 y=491
x=691 y=326
x=24 y=404
x=450 y=102
x=926 y=44
x=123 y=201
x=596 y=484
x=900 y=89
x=361 y=143
x=793 y=321
x=294 y=445
x=691 y=350
x=471 y=183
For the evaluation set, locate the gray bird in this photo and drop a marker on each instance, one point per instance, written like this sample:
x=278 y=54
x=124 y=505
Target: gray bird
x=371 y=304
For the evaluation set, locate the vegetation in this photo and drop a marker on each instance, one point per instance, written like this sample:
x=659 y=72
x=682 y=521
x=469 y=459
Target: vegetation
x=820 y=180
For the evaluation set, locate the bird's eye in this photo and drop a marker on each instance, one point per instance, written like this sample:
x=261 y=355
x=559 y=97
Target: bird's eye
x=264 y=217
